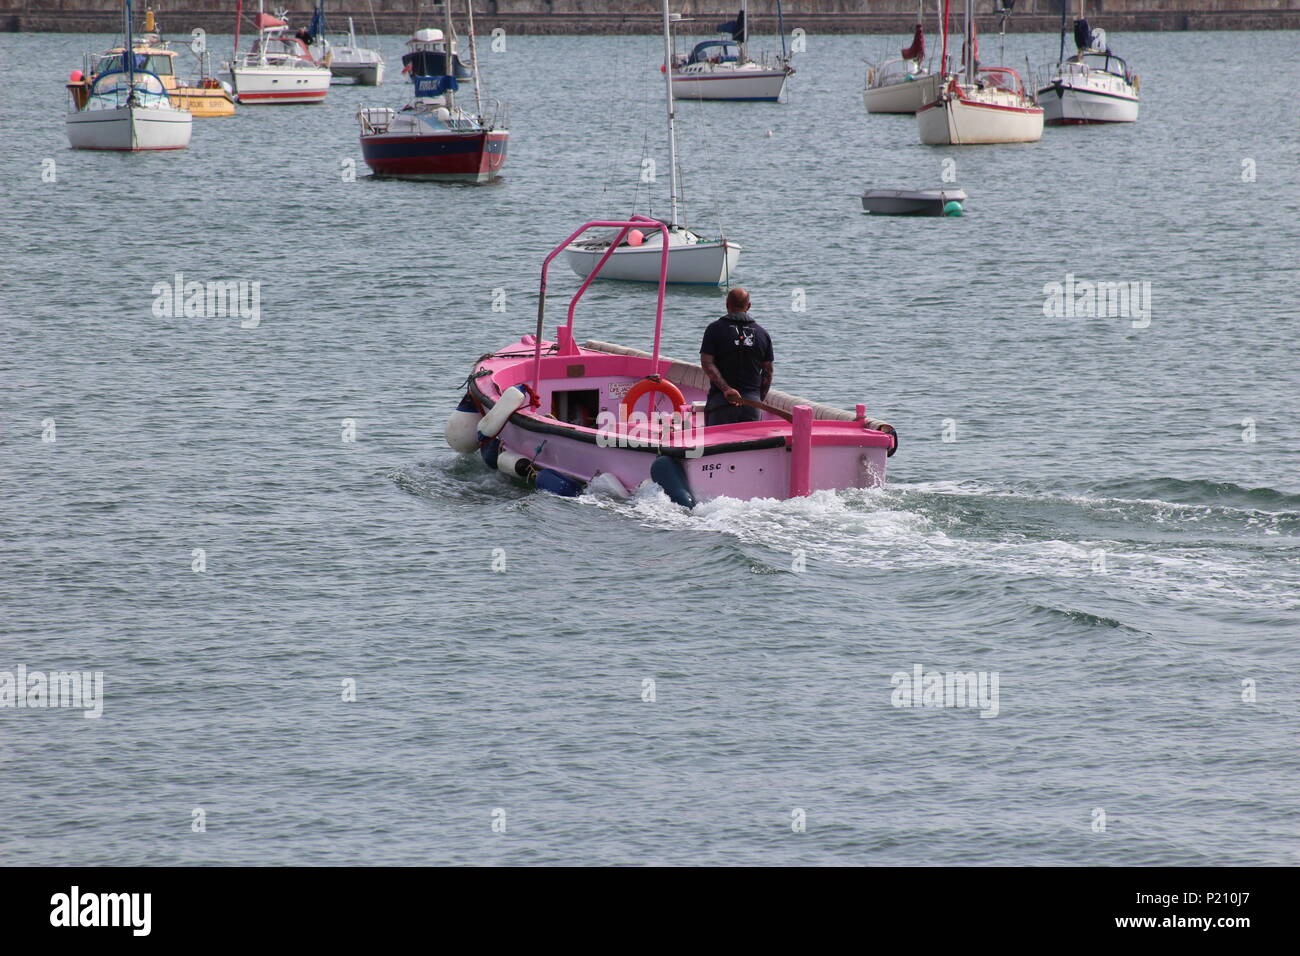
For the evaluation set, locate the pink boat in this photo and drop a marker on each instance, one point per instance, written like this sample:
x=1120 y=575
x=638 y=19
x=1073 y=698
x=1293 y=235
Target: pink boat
x=564 y=416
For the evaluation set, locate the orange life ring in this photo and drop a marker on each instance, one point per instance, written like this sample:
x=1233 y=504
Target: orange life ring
x=652 y=384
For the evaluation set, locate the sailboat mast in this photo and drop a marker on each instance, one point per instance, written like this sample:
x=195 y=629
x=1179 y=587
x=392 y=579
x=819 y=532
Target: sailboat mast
x=672 y=118
x=239 y=16
x=970 y=42
x=780 y=26
x=943 y=24
x=473 y=58
x=450 y=45
x=1061 y=57
x=128 y=52
x=744 y=31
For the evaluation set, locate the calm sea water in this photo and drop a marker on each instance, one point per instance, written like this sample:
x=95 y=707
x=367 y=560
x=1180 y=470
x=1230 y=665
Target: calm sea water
x=1080 y=444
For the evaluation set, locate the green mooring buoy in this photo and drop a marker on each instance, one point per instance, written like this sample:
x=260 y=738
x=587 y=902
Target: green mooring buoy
x=952 y=208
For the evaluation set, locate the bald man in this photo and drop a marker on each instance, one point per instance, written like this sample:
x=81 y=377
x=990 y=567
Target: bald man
x=736 y=355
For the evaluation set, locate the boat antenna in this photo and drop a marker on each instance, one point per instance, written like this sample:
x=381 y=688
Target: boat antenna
x=672 y=118
x=473 y=59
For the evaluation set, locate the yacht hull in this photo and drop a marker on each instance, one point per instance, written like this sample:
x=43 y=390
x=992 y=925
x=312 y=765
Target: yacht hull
x=129 y=129
x=1065 y=104
x=259 y=86
x=702 y=263
x=905 y=97
x=753 y=85
x=955 y=121
x=475 y=157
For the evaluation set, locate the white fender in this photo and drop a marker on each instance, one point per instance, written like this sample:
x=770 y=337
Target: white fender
x=516 y=466
x=462 y=427
x=607 y=484
x=496 y=419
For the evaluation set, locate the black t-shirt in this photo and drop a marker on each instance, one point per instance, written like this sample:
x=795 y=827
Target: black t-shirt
x=739 y=347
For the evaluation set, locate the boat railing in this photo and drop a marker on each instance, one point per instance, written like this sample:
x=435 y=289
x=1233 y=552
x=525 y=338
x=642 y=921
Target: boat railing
x=497 y=116
x=375 y=119
x=1073 y=68
x=566 y=333
x=1001 y=77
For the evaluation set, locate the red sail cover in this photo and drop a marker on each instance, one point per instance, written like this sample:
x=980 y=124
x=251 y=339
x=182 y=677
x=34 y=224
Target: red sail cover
x=917 y=50
x=265 y=20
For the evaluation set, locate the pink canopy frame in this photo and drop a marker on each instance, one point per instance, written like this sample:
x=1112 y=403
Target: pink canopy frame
x=624 y=226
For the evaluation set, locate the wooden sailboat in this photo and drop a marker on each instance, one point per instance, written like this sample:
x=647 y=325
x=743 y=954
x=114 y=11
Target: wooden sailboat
x=692 y=259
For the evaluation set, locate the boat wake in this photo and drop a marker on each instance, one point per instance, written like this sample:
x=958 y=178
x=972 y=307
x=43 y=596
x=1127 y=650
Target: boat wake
x=1200 y=551
x=1219 y=542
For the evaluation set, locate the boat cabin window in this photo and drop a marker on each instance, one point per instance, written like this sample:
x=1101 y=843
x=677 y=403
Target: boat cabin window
x=162 y=65
x=1104 y=63
x=576 y=407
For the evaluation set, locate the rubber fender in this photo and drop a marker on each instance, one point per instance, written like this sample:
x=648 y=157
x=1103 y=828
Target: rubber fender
x=608 y=485
x=559 y=484
x=669 y=475
x=462 y=427
x=496 y=418
x=516 y=466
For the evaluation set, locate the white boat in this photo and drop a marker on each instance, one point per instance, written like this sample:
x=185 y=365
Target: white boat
x=1093 y=86
x=128 y=110
x=903 y=85
x=360 y=64
x=985 y=105
x=724 y=70
x=899 y=86
x=350 y=60
x=279 y=69
x=692 y=258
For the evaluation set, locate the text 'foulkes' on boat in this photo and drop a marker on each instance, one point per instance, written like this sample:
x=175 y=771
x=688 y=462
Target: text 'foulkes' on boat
x=567 y=417
x=725 y=69
x=125 y=107
x=982 y=105
x=279 y=69
x=692 y=260
x=203 y=97
x=432 y=137
x=1093 y=86
x=904 y=84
